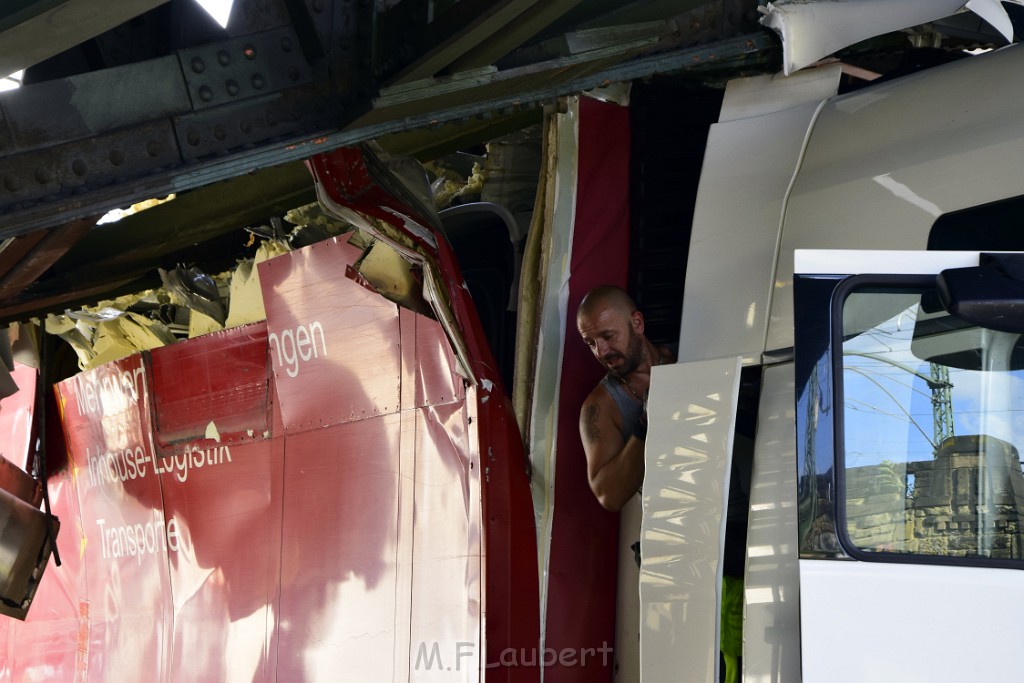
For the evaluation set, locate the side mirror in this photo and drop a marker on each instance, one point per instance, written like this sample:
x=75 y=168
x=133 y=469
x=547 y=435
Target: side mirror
x=990 y=295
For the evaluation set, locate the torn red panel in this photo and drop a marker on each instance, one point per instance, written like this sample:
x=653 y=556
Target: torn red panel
x=213 y=387
x=343 y=592
x=327 y=336
x=221 y=576
x=125 y=537
x=350 y=178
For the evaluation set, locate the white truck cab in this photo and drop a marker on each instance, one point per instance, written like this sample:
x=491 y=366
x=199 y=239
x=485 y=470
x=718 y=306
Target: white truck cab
x=837 y=287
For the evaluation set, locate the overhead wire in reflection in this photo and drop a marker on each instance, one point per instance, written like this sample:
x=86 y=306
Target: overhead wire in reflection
x=868 y=376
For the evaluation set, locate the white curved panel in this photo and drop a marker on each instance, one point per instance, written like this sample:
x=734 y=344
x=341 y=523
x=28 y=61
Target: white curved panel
x=686 y=485
x=812 y=29
x=884 y=162
x=771 y=626
x=748 y=165
x=551 y=341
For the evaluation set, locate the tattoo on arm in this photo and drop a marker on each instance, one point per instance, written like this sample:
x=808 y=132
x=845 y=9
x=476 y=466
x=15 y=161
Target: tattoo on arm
x=590 y=422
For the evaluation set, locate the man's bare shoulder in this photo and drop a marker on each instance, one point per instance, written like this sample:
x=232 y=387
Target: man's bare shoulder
x=598 y=395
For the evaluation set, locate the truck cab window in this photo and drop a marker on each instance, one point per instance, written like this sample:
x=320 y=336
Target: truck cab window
x=930 y=431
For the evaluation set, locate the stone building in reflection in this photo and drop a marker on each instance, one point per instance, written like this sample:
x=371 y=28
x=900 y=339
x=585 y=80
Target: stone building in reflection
x=966 y=502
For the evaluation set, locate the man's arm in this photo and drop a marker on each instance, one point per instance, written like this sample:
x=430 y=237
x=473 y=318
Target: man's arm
x=615 y=468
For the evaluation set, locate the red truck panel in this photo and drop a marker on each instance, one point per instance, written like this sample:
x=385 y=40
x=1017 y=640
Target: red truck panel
x=334 y=345
x=353 y=505
x=220 y=380
x=125 y=536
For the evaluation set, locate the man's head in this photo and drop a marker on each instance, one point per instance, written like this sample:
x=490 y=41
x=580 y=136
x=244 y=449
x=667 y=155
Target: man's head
x=611 y=326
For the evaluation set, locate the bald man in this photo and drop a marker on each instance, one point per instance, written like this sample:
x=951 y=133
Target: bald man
x=613 y=419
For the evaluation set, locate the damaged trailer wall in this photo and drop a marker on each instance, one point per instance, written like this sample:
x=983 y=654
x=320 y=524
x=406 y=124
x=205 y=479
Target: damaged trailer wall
x=281 y=501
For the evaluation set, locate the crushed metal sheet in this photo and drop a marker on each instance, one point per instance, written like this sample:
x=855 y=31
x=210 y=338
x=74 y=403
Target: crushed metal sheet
x=392 y=276
x=116 y=339
x=118 y=328
x=813 y=29
x=448 y=186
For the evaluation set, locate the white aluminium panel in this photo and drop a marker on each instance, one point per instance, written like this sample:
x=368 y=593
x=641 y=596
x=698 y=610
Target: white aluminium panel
x=748 y=165
x=812 y=29
x=771 y=625
x=879 y=262
x=553 y=301
x=873 y=621
x=769 y=93
x=691 y=413
x=885 y=162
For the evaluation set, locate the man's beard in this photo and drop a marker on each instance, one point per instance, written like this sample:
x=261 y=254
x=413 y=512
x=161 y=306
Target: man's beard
x=632 y=358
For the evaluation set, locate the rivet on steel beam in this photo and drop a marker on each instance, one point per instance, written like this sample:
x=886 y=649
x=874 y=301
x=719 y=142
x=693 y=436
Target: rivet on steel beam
x=219 y=132
x=223 y=58
x=116 y=157
x=205 y=93
x=245 y=127
x=231 y=86
x=258 y=81
x=11 y=184
x=293 y=73
x=79 y=167
x=42 y=176
x=193 y=137
x=198 y=65
x=286 y=44
x=271 y=120
x=249 y=51
x=153 y=148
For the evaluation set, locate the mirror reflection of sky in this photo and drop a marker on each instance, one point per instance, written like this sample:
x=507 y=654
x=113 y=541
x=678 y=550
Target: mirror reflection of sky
x=888 y=409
